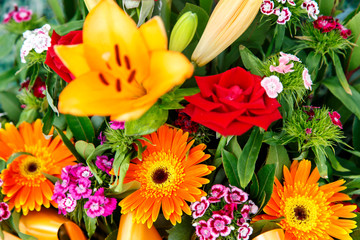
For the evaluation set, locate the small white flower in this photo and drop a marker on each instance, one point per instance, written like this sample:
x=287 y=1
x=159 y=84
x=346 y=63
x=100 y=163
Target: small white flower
x=272 y=86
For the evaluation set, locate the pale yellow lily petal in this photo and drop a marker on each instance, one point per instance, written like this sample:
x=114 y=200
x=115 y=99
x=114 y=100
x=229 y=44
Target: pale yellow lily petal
x=73 y=58
x=112 y=42
x=154 y=34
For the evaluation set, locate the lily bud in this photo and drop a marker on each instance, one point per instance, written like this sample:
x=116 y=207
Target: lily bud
x=227 y=22
x=183 y=31
x=90 y=4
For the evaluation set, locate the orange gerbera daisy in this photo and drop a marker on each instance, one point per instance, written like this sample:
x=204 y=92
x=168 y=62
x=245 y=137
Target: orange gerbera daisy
x=169 y=174
x=310 y=211
x=25 y=186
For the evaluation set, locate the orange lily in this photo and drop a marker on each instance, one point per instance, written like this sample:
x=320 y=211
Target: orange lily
x=120 y=70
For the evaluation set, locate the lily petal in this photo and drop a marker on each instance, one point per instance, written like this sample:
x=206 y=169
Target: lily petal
x=73 y=58
x=154 y=34
x=121 y=47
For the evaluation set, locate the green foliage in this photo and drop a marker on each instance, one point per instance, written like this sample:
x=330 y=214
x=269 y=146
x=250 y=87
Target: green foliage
x=81 y=127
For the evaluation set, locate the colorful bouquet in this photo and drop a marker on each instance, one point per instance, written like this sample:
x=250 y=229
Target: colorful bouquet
x=180 y=120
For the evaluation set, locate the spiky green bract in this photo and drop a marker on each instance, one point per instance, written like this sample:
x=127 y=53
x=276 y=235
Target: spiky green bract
x=323 y=132
x=117 y=140
x=322 y=43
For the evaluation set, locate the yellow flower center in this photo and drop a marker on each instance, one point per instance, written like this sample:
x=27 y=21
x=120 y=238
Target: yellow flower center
x=160 y=174
x=32 y=167
x=301 y=213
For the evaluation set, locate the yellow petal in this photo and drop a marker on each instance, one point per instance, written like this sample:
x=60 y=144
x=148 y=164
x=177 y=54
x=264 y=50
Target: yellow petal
x=154 y=34
x=113 y=43
x=73 y=58
x=90 y=95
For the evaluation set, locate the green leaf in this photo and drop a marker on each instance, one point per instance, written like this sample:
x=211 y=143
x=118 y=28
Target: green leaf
x=250 y=61
x=230 y=166
x=6 y=78
x=11 y=105
x=16 y=155
x=28 y=115
x=85 y=149
x=112 y=235
x=206 y=5
x=69 y=144
x=313 y=61
x=320 y=160
x=51 y=178
x=7 y=43
x=48 y=121
x=254 y=187
x=90 y=225
x=351 y=102
x=14 y=223
x=354 y=56
x=148 y=123
x=55 y=6
x=353 y=184
x=356 y=134
x=279 y=37
x=34 y=70
x=203 y=18
x=278 y=156
x=334 y=162
x=266 y=177
x=234 y=147
x=51 y=102
x=340 y=73
x=120 y=165
x=81 y=127
x=326 y=7
x=68 y=27
x=183 y=230
x=247 y=160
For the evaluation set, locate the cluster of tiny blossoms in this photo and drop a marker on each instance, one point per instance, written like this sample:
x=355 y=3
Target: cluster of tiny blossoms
x=283 y=9
x=327 y=24
x=38 y=39
x=225 y=214
x=76 y=185
x=273 y=85
x=19 y=14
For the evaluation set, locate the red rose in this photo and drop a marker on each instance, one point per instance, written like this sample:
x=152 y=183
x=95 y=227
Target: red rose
x=232 y=102
x=53 y=61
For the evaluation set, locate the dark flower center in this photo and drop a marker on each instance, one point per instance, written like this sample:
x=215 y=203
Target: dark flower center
x=160 y=176
x=32 y=167
x=300 y=213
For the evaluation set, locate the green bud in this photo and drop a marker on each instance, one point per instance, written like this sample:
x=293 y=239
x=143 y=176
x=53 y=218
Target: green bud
x=183 y=31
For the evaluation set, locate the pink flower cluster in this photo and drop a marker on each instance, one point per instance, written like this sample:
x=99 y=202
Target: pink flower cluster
x=283 y=12
x=104 y=163
x=19 y=14
x=224 y=213
x=327 y=24
x=335 y=118
x=76 y=185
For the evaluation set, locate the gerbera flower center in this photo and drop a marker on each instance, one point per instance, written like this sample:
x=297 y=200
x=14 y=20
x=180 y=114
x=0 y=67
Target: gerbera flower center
x=160 y=174
x=30 y=167
x=301 y=213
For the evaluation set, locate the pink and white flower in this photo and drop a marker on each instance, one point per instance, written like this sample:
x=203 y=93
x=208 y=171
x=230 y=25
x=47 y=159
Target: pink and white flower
x=228 y=210
x=104 y=163
x=245 y=211
x=282 y=68
x=307 y=79
x=287 y=57
x=272 y=86
x=313 y=9
x=218 y=225
x=81 y=189
x=83 y=172
x=283 y=15
x=99 y=205
x=282 y=1
x=291 y=2
x=66 y=204
x=22 y=15
x=335 y=118
x=38 y=39
x=203 y=231
x=199 y=208
x=4 y=211
x=217 y=192
x=244 y=232
x=253 y=208
x=267 y=7
x=236 y=195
